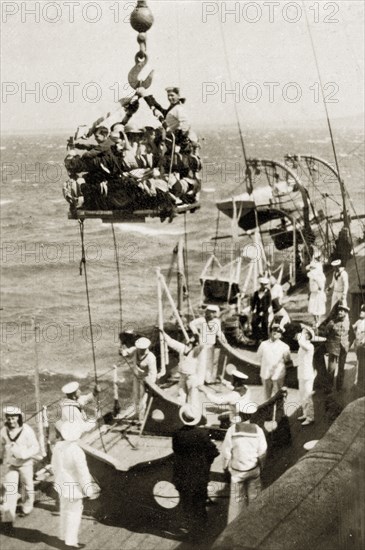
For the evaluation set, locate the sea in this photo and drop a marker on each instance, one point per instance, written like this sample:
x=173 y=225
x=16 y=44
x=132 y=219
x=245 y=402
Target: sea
x=44 y=313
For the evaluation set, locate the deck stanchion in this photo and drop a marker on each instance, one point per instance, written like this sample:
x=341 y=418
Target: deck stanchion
x=39 y=416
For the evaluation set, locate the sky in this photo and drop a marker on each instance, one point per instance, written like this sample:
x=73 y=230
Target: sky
x=76 y=55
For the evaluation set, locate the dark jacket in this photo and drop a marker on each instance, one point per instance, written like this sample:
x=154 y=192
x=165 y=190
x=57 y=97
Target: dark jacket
x=262 y=304
x=194 y=453
x=337 y=334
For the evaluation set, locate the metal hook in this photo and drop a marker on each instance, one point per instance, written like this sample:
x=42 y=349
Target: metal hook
x=141 y=60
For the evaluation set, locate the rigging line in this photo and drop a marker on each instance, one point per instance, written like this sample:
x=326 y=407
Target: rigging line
x=83 y=267
x=327 y=116
x=119 y=279
x=216 y=232
x=178 y=44
x=341 y=182
x=186 y=265
x=235 y=104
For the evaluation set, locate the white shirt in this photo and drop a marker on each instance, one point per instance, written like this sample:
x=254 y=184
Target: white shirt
x=272 y=356
x=341 y=284
x=305 y=359
x=188 y=363
x=243 y=445
x=359 y=328
x=72 y=479
x=72 y=411
x=209 y=331
x=277 y=291
x=22 y=450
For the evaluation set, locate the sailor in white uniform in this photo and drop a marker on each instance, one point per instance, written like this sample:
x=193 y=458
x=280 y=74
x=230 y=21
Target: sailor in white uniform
x=18 y=447
x=73 y=405
x=209 y=330
x=243 y=452
x=72 y=480
x=339 y=284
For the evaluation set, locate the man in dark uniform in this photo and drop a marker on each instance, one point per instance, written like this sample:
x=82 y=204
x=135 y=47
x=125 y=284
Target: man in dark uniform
x=337 y=345
x=194 y=453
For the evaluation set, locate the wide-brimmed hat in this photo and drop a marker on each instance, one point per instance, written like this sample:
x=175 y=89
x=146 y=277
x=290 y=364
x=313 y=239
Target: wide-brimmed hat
x=70 y=431
x=264 y=280
x=232 y=371
x=189 y=415
x=276 y=328
x=336 y=263
x=132 y=129
x=69 y=388
x=341 y=305
x=212 y=307
x=12 y=410
x=143 y=343
x=309 y=330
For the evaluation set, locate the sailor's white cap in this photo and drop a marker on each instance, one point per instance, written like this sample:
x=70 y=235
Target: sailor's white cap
x=246 y=409
x=249 y=408
x=308 y=329
x=70 y=431
x=212 y=307
x=336 y=263
x=143 y=343
x=189 y=415
x=71 y=387
x=264 y=280
x=232 y=371
x=12 y=410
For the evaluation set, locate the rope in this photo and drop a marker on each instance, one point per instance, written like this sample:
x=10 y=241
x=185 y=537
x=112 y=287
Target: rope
x=345 y=215
x=119 y=279
x=186 y=266
x=83 y=268
x=216 y=232
x=236 y=110
x=327 y=114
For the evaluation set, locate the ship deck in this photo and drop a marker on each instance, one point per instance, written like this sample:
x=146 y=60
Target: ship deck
x=39 y=530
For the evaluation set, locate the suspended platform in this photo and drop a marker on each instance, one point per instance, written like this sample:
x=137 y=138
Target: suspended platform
x=135 y=216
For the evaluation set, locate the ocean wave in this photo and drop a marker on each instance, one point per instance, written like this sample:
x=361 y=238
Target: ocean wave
x=148 y=230
x=5 y=201
x=209 y=190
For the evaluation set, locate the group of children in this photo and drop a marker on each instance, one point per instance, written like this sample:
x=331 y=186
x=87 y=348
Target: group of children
x=127 y=167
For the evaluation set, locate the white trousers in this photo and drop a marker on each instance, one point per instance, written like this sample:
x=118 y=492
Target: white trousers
x=305 y=395
x=24 y=474
x=70 y=520
x=272 y=386
x=140 y=398
x=188 y=390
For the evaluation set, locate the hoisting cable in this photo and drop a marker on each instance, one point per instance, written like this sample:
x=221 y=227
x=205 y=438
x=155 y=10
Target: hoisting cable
x=341 y=182
x=247 y=169
x=119 y=279
x=186 y=266
x=83 y=268
x=216 y=232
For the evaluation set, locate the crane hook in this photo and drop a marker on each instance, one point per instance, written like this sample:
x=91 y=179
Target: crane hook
x=133 y=75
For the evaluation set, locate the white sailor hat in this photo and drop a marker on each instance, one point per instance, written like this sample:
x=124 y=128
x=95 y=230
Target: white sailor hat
x=264 y=280
x=342 y=305
x=173 y=89
x=212 y=307
x=249 y=408
x=189 y=415
x=70 y=431
x=232 y=371
x=71 y=387
x=12 y=410
x=143 y=343
x=336 y=263
x=309 y=330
